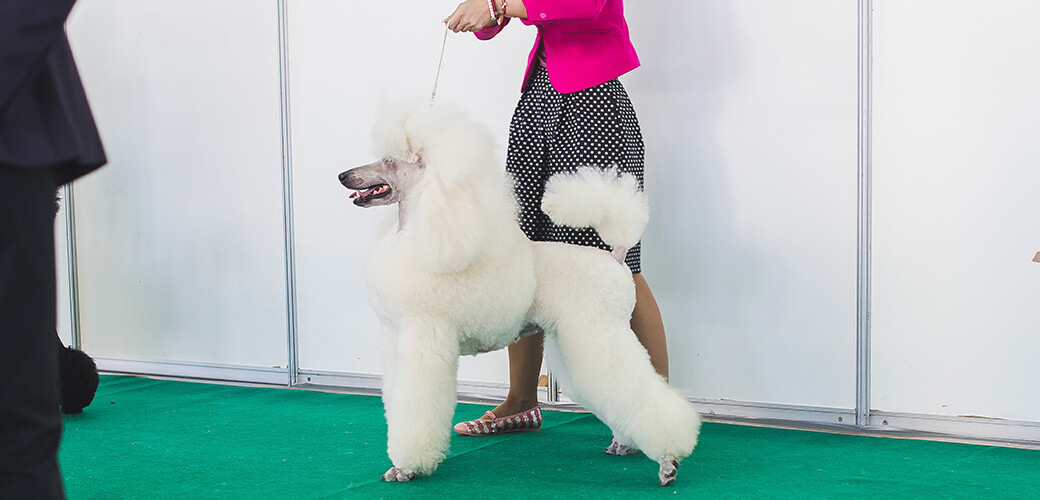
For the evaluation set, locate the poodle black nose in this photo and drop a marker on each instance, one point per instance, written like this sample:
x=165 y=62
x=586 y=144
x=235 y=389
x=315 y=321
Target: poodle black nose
x=343 y=177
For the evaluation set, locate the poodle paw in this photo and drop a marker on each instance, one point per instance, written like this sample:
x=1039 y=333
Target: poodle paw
x=669 y=468
x=619 y=450
x=398 y=475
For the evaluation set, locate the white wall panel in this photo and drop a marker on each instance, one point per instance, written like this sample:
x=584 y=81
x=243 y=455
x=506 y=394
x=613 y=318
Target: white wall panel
x=749 y=113
x=750 y=119
x=344 y=67
x=61 y=257
x=180 y=237
x=956 y=197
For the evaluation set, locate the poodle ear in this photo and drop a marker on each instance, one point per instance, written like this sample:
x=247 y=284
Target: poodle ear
x=446 y=225
x=458 y=147
x=453 y=209
x=390 y=132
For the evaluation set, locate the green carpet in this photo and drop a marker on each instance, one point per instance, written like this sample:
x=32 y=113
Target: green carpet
x=144 y=438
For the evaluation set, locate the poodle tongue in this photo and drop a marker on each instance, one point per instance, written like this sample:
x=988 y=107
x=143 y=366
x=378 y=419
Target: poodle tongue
x=368 y=192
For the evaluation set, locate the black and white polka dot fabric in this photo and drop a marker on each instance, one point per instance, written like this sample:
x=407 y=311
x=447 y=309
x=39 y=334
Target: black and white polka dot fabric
x=553 y=132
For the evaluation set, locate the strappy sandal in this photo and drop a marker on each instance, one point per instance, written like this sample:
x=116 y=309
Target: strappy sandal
x=529 y=420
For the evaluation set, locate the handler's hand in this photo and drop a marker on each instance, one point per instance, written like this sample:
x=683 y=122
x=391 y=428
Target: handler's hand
x=471 y=15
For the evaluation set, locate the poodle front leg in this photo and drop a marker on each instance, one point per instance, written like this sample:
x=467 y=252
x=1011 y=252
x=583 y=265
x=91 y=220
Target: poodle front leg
x=420 y=407
x=389 y=363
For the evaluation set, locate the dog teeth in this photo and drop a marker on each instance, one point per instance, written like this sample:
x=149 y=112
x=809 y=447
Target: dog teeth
x=370 y=192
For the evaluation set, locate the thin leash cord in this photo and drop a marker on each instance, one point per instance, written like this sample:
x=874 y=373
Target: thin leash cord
x=437 y=77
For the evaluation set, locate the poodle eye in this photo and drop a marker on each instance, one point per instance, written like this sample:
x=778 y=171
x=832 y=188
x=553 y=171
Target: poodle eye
x=386 y=161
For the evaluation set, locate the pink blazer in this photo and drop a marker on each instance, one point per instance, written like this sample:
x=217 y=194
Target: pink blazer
x=586 y=41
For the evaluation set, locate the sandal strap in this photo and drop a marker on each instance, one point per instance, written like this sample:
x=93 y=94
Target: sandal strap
x=493 y=424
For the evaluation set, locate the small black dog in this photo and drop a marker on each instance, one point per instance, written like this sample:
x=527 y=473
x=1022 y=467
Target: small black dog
x=77 y=371
x=79 y=379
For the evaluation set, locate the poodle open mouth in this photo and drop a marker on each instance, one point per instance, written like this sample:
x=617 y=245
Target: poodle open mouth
x=365 y=195
x=383 y=182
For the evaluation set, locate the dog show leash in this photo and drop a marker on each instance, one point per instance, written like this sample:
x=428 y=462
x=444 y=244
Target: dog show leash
x=437 y=77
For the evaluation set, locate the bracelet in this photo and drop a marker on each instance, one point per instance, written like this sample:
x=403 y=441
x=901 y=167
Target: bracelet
x=491 y=9
x=504 y=3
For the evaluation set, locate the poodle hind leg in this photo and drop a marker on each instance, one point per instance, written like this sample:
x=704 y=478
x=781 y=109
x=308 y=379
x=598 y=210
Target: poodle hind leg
x=620 y=447
x=669 y=469
x=604 y=368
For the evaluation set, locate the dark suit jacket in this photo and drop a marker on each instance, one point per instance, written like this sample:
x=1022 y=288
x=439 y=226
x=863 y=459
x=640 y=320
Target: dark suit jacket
x=45 y=121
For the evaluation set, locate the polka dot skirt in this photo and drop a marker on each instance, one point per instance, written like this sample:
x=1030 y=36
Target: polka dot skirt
x=553 y=132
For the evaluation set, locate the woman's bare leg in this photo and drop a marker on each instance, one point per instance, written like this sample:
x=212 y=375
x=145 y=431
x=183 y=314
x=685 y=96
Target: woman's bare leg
x=525 y=355
x=649 y=327
x=525 y=364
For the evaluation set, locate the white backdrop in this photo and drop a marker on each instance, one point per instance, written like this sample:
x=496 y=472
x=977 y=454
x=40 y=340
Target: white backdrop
x=729 y=305
x=61 y=255
x=749 y=117
x=180 y=237
x=957 y=193
x=341 y=71
x=749 y=113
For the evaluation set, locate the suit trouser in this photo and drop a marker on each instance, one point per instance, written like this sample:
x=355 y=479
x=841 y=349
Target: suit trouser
x=30 y=424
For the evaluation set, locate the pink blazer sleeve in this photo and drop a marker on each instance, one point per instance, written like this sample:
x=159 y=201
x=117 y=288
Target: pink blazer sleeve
x=489 y=33
x=543 y=11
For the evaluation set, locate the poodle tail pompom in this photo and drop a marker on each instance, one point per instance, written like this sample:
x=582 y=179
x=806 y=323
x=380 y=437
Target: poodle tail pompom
x=604 y=199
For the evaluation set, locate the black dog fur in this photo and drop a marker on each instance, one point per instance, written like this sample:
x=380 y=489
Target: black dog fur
x=79 y=379
x=77 y=372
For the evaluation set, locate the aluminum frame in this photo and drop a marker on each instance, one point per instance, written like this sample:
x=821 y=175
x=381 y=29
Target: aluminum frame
x=994 y=432
x=289 y=231
x=183 y=370
x=864 y=146
x=68 y=195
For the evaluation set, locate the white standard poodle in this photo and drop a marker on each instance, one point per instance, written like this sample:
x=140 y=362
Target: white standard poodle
x=454 y=275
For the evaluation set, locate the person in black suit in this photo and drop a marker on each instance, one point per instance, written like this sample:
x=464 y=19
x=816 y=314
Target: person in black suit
x=47 y=138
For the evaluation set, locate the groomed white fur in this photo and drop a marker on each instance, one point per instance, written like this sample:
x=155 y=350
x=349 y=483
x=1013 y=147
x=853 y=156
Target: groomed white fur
x=459 y=277
x=599 y=198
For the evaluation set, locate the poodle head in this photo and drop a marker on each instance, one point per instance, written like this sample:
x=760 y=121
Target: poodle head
x=421 y=144
x=439 y=166
x=382 y=182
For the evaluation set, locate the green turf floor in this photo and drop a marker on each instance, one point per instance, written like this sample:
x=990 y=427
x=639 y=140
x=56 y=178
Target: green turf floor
x=154 y=439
